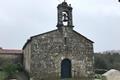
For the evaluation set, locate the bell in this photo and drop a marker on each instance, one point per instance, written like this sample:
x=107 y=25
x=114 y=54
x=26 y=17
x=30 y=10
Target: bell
x=65 y=18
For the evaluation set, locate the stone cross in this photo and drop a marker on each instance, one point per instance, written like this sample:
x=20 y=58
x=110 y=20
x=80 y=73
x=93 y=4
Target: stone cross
x=64 y=0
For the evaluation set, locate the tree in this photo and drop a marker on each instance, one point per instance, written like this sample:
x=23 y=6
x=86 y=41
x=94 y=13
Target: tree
x=12 y=69
x=107 y=60
x=100 y=63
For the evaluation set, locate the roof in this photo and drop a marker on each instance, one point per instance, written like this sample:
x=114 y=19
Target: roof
x=36 y=36
x=50 y=32
x=10 y=51
x=83 y=36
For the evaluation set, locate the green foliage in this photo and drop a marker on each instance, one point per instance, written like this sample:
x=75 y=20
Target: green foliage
x=1 y=61
x=98 y=76
x=107 y=61
x=100 y=63
x=11 y=69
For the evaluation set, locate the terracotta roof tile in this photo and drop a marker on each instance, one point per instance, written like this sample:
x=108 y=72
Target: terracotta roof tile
x=11 y=51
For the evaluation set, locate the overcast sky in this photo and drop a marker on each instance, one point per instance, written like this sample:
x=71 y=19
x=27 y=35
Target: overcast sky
x=98 y=20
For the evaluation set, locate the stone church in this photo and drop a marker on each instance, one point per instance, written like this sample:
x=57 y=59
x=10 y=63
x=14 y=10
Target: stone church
x=61 y=53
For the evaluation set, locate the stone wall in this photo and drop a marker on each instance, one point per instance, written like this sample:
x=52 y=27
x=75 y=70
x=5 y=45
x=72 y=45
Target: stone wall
x=10 y=59
x=49 y=49
x=27 y=57
x=10 y=56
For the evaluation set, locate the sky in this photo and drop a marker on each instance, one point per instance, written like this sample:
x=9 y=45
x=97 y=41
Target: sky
x=98 y=20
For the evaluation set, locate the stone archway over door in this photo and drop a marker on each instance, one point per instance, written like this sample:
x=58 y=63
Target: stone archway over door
x=66 y=69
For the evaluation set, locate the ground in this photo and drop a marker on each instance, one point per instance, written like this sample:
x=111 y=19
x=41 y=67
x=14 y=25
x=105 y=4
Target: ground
x=2 y=75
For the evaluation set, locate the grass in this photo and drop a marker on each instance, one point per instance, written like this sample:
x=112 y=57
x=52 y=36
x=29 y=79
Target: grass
x=98 y=77
x=2 y=75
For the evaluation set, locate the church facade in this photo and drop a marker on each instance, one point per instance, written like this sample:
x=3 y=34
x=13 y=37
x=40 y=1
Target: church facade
x=61 y=53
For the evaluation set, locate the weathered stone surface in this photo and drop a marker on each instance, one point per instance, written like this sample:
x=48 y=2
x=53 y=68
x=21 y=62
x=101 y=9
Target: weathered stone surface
x=49 y=49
